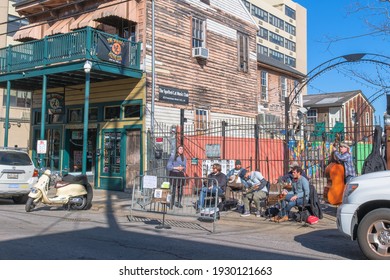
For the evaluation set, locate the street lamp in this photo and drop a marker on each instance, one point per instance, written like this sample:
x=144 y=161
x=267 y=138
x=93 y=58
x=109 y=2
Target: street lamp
x=87 y=70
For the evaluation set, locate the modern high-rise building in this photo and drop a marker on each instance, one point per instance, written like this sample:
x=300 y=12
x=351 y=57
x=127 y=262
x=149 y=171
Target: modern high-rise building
x=281 y=47
x=282 y=31
x=20 y=101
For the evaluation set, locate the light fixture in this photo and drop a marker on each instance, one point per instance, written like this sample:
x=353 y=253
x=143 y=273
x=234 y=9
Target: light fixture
x=87 y=66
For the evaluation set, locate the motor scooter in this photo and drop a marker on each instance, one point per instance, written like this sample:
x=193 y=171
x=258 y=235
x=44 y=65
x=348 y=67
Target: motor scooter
x=72 y=192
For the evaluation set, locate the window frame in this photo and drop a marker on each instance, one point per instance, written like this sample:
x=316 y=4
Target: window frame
x=283 y=88
x=198 y=33
x=312 y=114
x=243 y=52
x=105 y=112
x=264 y=85
x=201 y=119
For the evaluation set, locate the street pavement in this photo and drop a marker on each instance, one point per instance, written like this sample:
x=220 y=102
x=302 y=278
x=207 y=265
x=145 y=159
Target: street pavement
x=288 y=240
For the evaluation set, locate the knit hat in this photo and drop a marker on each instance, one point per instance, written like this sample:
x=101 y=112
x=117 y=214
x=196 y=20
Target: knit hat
x=294 y=164
x=238 y=162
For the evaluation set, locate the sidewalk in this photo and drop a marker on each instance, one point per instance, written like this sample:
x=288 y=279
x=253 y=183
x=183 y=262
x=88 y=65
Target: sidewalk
x=119 y=203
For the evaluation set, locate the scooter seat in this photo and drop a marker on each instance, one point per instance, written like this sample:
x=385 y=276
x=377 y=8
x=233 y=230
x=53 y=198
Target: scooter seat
x=79 y=179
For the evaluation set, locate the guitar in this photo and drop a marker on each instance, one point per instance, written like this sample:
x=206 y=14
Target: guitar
x=251 y=189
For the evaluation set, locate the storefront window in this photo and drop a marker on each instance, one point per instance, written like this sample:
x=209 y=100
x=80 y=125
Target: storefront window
x=75 y=115
x=112 y=112
x=112 y=147
x=132 y=111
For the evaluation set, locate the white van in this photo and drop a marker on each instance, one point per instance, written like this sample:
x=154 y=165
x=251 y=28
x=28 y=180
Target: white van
x=365 y=214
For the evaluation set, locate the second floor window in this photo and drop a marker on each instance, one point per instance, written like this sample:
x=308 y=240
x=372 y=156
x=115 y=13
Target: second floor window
x=243 y=56
x=297 y=89
x=18 y=98
x=198 y=33
x=201 y=119
x=264 y=86
x=283 y=88
x=312 y=116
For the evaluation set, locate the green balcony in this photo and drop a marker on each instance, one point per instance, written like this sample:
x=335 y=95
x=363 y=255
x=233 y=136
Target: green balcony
x=62 y=58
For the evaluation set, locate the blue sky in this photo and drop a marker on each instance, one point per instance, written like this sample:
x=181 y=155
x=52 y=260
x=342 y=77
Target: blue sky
x=333 y=31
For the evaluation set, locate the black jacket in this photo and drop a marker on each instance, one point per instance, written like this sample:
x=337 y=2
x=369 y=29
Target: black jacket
x=315 y=206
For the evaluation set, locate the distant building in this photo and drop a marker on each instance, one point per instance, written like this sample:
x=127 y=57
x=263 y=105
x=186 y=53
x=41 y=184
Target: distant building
x=20 y=100
x=351 y=108
x=281 y=47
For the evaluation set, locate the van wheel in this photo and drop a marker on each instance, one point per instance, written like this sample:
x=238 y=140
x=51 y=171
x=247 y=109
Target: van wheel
x=373 y=234
x=21 y=199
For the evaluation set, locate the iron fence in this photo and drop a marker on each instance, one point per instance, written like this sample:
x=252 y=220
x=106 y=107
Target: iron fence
x=259 y=146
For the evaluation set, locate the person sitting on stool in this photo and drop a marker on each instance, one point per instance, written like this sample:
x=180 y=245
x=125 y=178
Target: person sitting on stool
x=256 y=191
x=211 y=188
x=300 y=191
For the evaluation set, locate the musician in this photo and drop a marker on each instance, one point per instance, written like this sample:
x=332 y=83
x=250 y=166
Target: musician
x=236 y=178
x=216 y=181
x=346 y=157
x=256 y=190
x=299 y=192
x=287 y=178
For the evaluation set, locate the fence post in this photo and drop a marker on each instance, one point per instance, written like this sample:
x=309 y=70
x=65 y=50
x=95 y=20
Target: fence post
x=224 y=125
x=257 y=146
x=182 y=120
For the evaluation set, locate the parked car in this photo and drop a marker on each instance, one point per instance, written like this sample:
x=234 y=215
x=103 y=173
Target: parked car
x=17 y=175
x=365 y=214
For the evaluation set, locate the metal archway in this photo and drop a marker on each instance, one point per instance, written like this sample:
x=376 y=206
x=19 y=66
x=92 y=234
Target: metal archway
x=320 y=69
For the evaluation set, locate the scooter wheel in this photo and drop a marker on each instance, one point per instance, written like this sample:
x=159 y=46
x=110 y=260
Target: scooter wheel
x=29 y=204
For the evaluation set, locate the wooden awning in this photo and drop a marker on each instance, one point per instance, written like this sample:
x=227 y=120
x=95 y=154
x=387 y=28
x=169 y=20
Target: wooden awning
x=83 y=21
x=33 y=31
x=61 y=26
x=118 y=8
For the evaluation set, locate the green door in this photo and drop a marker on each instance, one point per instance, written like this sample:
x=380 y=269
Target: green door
x=113 y=164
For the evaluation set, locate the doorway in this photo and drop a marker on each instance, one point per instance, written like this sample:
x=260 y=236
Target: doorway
x=75 y=149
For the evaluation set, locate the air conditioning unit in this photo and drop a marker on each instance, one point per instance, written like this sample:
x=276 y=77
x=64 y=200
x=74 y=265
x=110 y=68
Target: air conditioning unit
x=260 y=22
x=200 y=53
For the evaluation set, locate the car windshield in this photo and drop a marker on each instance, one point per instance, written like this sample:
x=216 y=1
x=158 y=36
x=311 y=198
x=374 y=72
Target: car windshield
x=14 y=158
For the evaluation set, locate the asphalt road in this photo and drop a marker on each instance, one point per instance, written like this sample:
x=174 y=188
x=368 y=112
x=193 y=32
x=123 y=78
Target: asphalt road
x=107 y=232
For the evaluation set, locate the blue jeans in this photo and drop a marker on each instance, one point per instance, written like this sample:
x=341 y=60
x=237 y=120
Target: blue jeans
x=287 y=204
x=208 y=192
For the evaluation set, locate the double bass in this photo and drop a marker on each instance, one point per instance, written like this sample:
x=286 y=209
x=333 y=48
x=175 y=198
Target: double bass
x=335 y=175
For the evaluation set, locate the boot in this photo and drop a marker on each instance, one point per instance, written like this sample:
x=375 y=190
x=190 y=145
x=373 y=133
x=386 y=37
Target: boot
x=283 y=219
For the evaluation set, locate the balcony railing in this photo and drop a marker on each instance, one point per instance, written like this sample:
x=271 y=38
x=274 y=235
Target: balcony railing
x=82 y=44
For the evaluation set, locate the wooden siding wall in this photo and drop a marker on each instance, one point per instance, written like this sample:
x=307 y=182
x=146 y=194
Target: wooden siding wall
x=217 y=85
x=361 y=106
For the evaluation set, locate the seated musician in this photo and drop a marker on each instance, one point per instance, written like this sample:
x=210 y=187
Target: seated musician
x=256 y=190
x=211 y=187
x=299 y=191
x=287 y=178
x=236 y=178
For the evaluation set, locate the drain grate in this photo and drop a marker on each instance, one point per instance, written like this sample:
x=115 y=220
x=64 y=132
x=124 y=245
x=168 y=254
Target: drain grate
x=172 y=223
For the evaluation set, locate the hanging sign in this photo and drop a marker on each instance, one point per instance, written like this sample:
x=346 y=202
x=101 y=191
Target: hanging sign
x=55 y=103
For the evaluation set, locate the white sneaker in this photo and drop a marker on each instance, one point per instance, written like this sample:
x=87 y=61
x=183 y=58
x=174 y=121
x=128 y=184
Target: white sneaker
x=258 y=214
x=246 y=214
